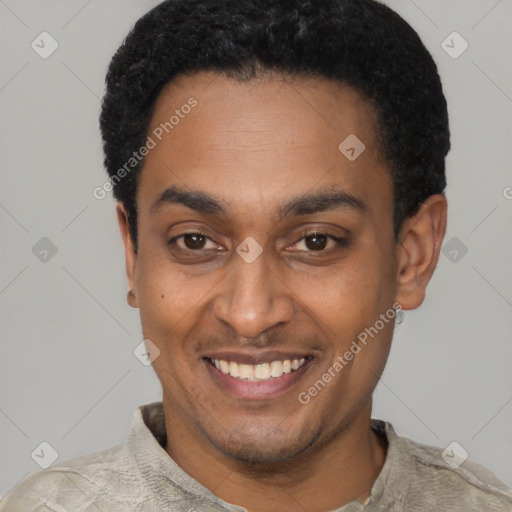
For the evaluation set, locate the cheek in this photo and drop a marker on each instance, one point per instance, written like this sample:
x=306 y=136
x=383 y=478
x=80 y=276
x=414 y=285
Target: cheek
x=172 y=304
x=345 y=298
x=168 y=311
x=163 y=297
x=365 y=334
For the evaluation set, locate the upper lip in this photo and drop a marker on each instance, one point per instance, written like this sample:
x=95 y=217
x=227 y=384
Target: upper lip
x=254 y=358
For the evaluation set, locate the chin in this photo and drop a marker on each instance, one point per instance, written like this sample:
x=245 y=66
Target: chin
x=261 y=447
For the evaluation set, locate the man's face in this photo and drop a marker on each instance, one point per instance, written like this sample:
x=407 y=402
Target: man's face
x=327 y=269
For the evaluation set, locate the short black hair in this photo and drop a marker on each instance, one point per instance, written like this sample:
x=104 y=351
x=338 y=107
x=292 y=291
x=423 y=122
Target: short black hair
x=361 y=43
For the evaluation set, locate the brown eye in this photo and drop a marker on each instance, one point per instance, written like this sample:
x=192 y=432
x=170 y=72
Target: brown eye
x=320 y=243
x=316 y=241
x=194 y=241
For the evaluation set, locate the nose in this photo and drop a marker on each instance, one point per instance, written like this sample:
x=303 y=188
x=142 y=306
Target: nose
x=253 y=298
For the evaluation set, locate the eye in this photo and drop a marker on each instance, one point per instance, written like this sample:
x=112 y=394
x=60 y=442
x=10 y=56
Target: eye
x=193 y=241
x=312 y=242
x=319 y=242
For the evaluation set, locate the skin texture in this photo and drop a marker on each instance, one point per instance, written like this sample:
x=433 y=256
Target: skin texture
x=255 y=146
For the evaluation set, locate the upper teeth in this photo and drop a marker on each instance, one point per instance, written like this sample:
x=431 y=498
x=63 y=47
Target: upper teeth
x=262 y=371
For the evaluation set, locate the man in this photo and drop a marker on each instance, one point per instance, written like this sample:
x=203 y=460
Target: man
x=279 y=171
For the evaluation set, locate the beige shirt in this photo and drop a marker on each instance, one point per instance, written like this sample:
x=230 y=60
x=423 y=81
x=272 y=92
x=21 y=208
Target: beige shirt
x=140 y=476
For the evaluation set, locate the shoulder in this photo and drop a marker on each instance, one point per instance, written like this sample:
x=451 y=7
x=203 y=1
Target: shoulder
x=77 y=483
x=443 y=478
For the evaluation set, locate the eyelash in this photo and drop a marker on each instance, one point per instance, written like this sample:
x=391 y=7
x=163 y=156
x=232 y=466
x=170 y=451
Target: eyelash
x=340 y=242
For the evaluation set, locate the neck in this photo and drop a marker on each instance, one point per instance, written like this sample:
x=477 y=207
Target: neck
x=347 y=464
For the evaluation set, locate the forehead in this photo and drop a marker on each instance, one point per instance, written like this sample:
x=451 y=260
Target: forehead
x=260 y=141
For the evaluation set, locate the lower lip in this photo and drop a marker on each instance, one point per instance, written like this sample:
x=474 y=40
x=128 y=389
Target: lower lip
x=255 y=390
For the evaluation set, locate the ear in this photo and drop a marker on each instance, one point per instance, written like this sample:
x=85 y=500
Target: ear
x=130 y=254
x=418 y=247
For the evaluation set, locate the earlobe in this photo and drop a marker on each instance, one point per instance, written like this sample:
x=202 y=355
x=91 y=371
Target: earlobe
x=130 y=254
x=418 y=248
x=131 y=299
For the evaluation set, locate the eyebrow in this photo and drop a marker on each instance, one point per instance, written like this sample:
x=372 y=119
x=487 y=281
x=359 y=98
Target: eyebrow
x=305 y=204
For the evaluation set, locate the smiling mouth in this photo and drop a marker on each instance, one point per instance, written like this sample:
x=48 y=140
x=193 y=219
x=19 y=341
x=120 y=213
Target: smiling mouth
x=258 y=372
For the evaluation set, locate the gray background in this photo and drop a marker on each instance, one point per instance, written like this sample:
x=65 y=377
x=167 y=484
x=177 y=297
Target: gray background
x=67 y=370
